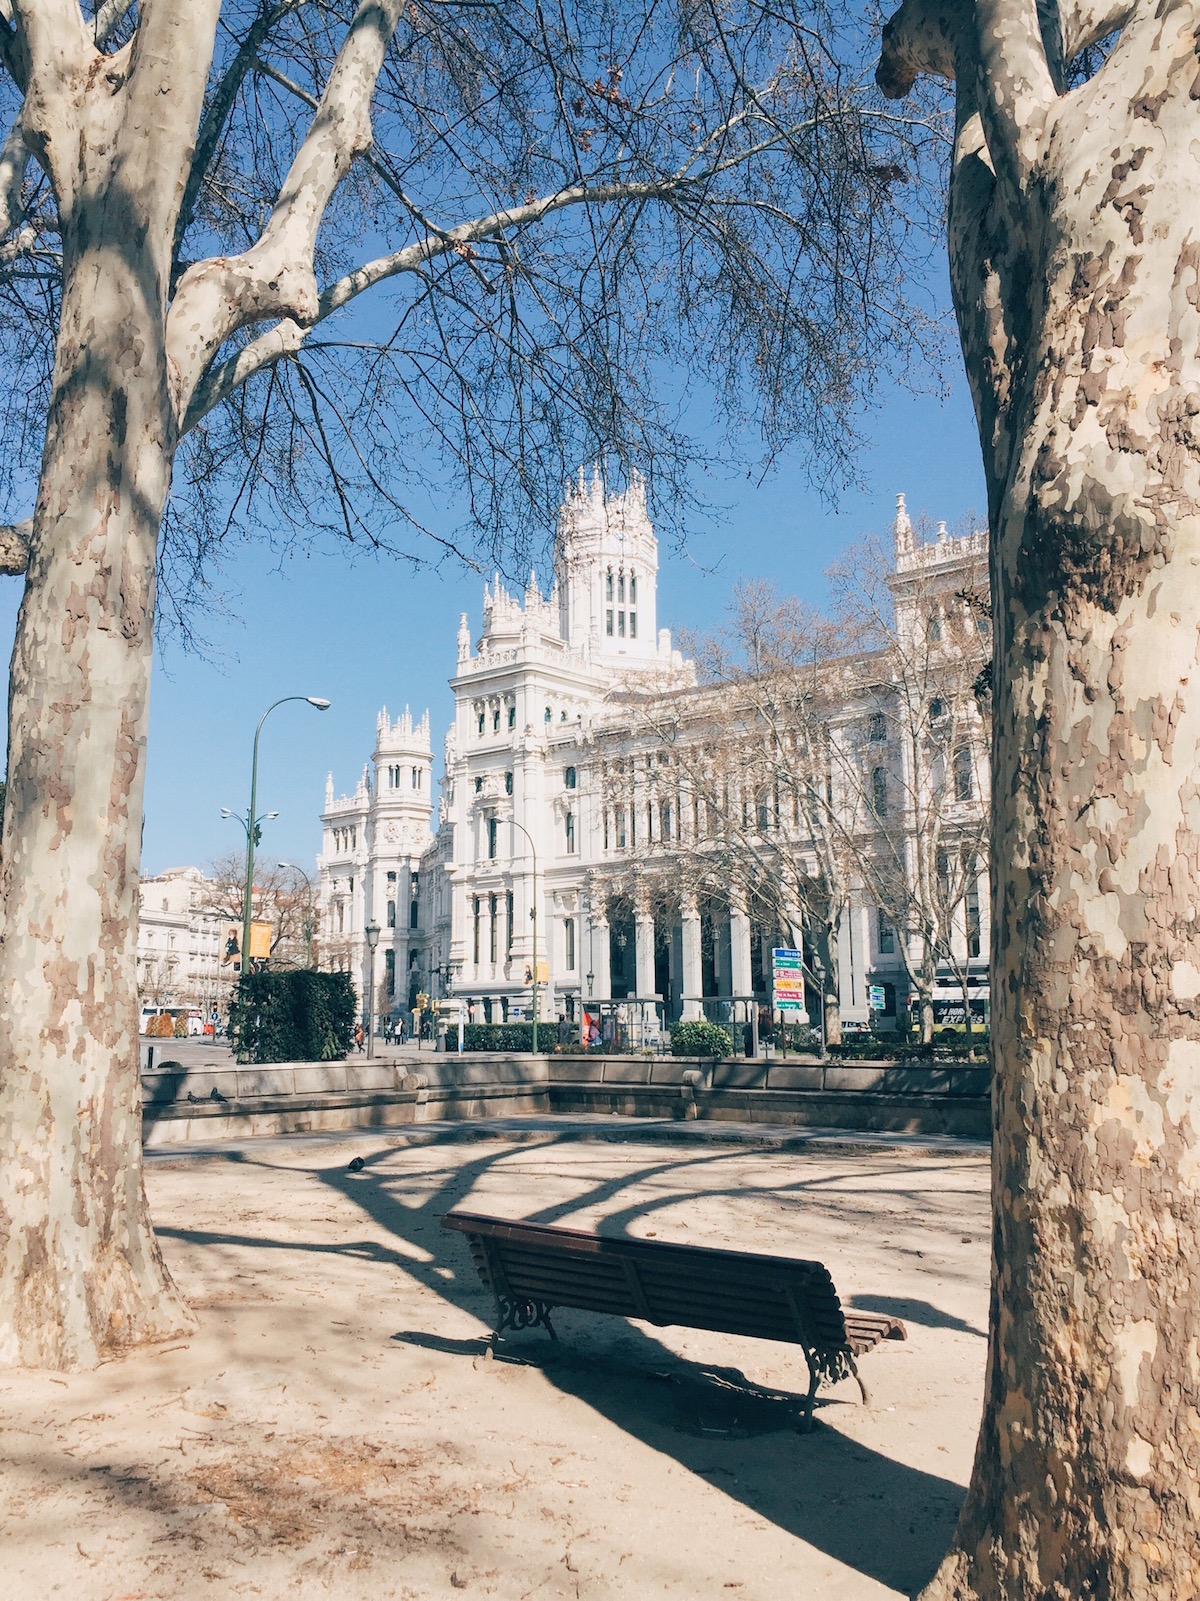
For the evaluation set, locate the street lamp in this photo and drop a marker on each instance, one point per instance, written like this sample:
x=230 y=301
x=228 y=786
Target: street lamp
x=371 y=933
x=533 y=914
x=252 y=822
x=293 y=867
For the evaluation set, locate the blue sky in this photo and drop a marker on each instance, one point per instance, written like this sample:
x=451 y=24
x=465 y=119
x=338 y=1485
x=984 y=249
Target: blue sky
x=370 y=632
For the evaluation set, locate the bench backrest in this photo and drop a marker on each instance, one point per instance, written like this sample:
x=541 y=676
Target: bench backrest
x=733 y=1292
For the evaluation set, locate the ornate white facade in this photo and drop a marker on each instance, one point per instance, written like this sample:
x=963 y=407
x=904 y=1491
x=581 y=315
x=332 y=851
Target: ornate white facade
x=535 y=694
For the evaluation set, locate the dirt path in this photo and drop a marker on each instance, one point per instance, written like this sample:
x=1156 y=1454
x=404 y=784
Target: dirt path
x=335 y=1428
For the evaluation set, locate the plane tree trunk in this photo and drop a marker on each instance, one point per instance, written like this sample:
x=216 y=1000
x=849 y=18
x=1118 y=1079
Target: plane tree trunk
x=80 y=1271
x=1076 y=275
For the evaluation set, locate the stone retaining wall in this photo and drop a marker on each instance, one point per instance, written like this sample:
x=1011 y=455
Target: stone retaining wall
x=297 y=1097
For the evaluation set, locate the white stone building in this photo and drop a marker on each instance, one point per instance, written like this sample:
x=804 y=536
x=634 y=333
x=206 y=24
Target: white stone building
x=537 y=698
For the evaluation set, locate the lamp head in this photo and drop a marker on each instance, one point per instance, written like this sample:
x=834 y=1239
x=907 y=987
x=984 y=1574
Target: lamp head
x=225 y=812
x=269 y=815
x=371 y=931
x=318 y=701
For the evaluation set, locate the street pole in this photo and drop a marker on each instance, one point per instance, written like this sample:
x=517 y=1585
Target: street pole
x=322 y=705
x=533 y=914
x=371 y=934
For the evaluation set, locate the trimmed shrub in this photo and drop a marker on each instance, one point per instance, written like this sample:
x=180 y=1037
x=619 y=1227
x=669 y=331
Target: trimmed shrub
x=500 y=1036
x=700 y=1039
x=293 y=1017
x=161 y=1027
x=181 y=1027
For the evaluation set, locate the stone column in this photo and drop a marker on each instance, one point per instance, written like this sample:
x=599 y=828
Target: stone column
x=693 y=980
x=739 y=951
x=596 y=954
x=644 y=952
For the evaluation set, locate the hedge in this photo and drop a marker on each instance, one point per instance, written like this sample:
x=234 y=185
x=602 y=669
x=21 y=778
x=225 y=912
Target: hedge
x=700 y=1039
x=301 y=1016
x=501 y=1036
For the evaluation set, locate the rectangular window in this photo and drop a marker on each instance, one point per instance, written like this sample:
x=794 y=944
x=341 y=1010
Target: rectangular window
x=508 y=783
x=887 y=937
x=632 y=589
x=569 y=943
x=971 y=907
x=389 y=968
x=476 y=913
x=877 y=728
x=508 y=931
x=621 y=625
x=621 y=590
x=620 y=828
x=879 y=791
x=608 y=623
x=481 y=722
x=512 y=716
x=570 y=833
x=963 y=777
x=416 y=778
x=492 y=930
x=413 y=912
x=496 y=720
x=608 y=586
x=391 y=914
x=633 y=625
x=493 y=837
x=569 y=777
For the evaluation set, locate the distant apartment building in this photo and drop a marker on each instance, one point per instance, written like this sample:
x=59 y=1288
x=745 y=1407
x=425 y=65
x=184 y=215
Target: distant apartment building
x=179 y=943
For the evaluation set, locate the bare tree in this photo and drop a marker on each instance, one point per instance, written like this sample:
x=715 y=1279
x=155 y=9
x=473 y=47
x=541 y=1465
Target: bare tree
x=748 y=775
x=910 y=749
x=1074 y=267
x=559 y=198
x=280 y=900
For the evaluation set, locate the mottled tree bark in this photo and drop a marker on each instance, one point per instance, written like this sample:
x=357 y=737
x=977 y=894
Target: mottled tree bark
x=1076 y=272
x=80 y=1272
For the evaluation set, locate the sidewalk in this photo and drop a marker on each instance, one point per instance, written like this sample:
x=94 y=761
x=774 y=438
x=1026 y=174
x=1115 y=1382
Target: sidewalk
x=335 y=1428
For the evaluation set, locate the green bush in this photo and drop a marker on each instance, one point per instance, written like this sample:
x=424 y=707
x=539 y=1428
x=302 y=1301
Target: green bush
x=700 y=1039
x=293 y=1017
x=501 y=1036
x=181 y=1026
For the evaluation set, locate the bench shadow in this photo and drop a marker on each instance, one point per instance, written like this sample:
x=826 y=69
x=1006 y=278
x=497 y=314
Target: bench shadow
x=915 y=1311
x=888 y=1521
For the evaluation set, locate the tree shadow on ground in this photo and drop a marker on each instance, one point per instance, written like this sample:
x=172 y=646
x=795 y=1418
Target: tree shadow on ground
x=888 y=1521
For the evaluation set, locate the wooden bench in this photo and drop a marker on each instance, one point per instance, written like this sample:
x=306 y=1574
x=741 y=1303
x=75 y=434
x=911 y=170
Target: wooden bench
x=530 y=1268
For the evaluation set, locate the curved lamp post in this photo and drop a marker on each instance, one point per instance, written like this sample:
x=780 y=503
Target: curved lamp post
x=533 y=914
x=294 y=867
x=252 y=822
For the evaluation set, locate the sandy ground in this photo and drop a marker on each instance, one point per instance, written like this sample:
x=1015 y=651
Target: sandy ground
x=334 y=1427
